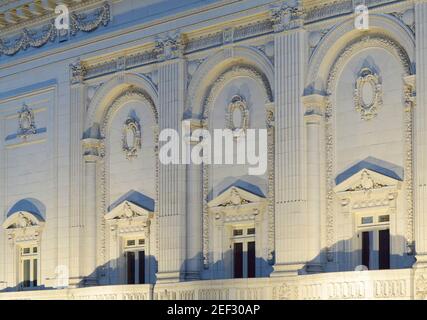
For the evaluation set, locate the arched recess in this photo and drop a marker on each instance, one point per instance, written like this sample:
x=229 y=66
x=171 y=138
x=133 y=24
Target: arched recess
x=108 y=100
x=323 y=57
x=113 y=89
x=326 y=64
x=213 y=67
x=215 y=80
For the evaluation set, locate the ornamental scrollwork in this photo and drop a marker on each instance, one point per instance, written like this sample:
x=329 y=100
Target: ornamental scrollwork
x=87 y=23
x=238 y=105
x=31 y=38
x=131 y=138
x=368 y=80
x=26 y=121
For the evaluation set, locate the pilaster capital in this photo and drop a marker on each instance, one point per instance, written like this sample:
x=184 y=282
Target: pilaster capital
x=287 y=16
x=92 y=149
x=189 y=126
x=170 y=46
x=314 y=107
x=77 y=72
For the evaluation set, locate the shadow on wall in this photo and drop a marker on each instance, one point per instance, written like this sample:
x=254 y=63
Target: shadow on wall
x=346 y=259
x=111 y=273
x=136 y=198
x=114 y=272
x=31 y=205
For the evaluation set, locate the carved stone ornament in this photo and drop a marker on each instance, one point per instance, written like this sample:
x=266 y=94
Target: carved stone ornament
x=85 y=22
x=238 y=116
x=366 y=183
x=286 y=17
x=131 y=138
x=170 y=47
x=27 y=125
x=368 y=94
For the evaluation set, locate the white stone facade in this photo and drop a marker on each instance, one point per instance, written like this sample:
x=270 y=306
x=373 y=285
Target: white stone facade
x=84 y=198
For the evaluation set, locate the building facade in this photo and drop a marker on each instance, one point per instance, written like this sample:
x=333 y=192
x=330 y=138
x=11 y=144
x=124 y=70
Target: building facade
x=88 y=211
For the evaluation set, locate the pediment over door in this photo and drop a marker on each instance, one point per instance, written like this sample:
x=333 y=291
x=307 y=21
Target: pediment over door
x=367 y=189
x=366 y=180
x=23 y=226
x=237 y=201
x=22 y=220
x=127 y=211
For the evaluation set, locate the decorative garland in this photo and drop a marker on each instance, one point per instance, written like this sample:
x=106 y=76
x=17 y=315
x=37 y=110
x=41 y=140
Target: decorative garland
x=49 y=33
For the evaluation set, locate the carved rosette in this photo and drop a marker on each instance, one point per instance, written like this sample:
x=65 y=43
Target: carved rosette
x=26 y=122
x=131 y=138
x=238 y=105
x=368 y=85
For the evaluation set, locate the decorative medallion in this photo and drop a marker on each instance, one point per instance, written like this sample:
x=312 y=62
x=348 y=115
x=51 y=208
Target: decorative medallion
x=368 y=94
x=131 y=138
x=238 y=116
x=27 y=125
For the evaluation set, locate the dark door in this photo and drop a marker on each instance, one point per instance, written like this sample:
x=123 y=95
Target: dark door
x=365 y=248
x=130 y=261
x=384 y=249
x=141 y=266
x=251 y=259
x=238 y=260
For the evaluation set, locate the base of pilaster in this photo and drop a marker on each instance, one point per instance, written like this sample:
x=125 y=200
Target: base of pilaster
x=168 y=277
x=421 y=262
x=286 y=270
x=192 y=276
x=314 y=268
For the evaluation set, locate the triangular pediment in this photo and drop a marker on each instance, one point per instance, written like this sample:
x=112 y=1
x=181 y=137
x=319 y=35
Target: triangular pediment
x=22 y=220
x=235 y=196
x=365 y=180
x=128 y=210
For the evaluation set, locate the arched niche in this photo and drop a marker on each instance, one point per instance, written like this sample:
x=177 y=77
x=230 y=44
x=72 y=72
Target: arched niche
x=325 y=54
x=209 y=71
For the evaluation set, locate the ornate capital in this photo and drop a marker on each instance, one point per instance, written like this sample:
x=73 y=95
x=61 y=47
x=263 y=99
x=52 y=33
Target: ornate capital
x=92 y=149
x=286 y=17
x=314 y=106
x=170 y=47
x=77 y=72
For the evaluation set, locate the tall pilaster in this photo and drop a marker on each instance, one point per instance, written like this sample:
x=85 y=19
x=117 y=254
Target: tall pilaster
x=88 y=265
x=194 y=196
x=290 y=154
x=76 y=168
x=314 y=106
x=420 y=135
x=172 y=188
